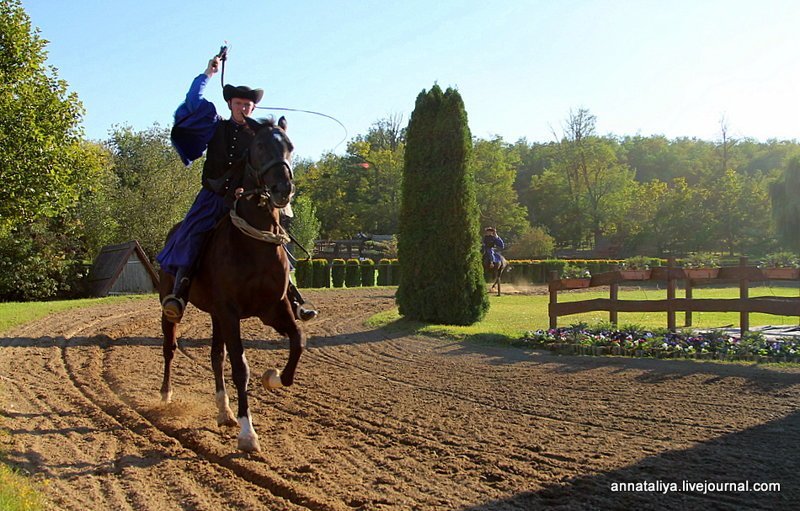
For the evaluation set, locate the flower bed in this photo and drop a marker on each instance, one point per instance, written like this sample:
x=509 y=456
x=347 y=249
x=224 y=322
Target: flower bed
x=603 y=340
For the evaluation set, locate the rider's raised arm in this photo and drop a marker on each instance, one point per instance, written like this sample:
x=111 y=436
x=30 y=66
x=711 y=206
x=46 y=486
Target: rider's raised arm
x=195 y=118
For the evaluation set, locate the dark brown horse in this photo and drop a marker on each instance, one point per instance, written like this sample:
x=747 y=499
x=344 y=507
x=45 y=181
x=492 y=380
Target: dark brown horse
x=496 y=270
x=244 y=272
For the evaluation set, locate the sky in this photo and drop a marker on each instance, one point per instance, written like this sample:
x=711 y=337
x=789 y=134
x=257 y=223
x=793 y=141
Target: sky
x=674 y=68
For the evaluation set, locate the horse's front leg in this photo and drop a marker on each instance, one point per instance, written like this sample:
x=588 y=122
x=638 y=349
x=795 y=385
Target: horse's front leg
x=170 y=331
x=229 y=327
x=287 y=325
x=225 y=415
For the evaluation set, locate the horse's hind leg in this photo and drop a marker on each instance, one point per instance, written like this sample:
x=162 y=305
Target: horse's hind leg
x=170 y=331
x=229 y=331
x=225 y=415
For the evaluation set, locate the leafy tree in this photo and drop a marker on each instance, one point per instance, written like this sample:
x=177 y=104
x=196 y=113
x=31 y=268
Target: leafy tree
x=590 y=181
x=739 y=207
x=334 y=186
x=45 y=168
x=382 y=167
x=153 y=189
x=683 y=223
x=305 y=225
x=635 y=232
x=556 y=209
x=441 y=277
x=387 y=133
x=494 y=167
x=785 y=196
x=533 y=243
x=533 y=159
x=358 y=192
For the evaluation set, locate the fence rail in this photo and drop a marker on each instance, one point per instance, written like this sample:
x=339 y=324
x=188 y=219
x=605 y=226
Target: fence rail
x=744 y=305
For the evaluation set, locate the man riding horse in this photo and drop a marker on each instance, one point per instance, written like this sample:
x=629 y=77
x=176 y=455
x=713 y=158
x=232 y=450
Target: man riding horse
x=199 y=129
x=491 y=242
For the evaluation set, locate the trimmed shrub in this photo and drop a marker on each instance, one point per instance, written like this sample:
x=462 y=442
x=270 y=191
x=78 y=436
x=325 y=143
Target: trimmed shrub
x=441 y=278
x=303 y=273
x=352 y=273
x=384 y=272
x=322 y=273
x=367 y=268
x=337 y=272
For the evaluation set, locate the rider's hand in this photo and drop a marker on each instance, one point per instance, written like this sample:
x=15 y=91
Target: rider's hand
x=213 y=66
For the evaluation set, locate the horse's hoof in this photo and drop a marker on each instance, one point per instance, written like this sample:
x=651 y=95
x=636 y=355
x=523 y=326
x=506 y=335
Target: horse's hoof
x=166 y=397
x=227 y=419
x=249 y=443
x=271 y=379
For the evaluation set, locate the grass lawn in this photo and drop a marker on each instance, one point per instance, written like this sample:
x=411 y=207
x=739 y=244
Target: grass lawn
x=510 y=316
x=17 y=313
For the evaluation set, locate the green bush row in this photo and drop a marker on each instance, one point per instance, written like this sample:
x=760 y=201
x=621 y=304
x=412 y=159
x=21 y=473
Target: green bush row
x=318 y=273
x=537 y=271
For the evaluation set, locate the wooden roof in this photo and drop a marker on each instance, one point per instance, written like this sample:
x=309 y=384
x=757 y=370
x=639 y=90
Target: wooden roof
x=110 y=263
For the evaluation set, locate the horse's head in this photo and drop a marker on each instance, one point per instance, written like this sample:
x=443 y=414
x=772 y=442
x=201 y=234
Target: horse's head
x=269 y=169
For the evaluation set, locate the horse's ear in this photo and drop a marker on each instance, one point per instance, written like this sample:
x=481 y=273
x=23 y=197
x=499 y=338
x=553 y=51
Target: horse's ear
x=282 y=123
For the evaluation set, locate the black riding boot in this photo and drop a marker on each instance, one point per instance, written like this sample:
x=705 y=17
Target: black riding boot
x=300 y=312
x=174 y=304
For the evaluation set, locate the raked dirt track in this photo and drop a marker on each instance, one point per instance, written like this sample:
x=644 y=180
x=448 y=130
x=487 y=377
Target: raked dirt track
x=377 y=420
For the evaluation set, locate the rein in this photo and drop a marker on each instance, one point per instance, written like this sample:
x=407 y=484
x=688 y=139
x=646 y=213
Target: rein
x=279 y=238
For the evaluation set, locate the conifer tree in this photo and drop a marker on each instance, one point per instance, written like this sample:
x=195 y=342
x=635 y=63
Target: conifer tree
x=441 y=279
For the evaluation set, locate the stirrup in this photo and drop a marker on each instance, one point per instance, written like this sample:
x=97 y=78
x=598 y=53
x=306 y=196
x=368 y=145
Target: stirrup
x=304 y=314
x=172 y=308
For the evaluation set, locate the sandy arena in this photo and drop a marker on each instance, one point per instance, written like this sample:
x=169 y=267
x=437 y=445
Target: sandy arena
x=376 y=420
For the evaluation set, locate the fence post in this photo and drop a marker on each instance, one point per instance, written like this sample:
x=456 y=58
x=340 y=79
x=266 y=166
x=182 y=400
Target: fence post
x=553 y=299
x=671 y=326
x=688 y=302
x=744 y=297
x=613 y=295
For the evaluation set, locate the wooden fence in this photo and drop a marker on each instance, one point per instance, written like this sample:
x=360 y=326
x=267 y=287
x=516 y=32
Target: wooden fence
x=744 y=305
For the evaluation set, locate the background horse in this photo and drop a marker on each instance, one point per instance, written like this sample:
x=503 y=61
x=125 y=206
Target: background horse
x=496 y=271
x=244 y=272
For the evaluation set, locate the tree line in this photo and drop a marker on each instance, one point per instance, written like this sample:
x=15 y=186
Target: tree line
x=65 y=197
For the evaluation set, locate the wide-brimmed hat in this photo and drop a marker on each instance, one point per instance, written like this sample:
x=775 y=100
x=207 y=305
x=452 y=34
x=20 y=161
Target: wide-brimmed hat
x=242 y=91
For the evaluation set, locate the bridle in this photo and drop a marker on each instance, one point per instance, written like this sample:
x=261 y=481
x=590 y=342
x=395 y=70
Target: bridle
x=262 y=189
x=281 y=237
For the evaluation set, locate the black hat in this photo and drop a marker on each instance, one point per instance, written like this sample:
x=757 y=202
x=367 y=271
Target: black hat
x=242 y=91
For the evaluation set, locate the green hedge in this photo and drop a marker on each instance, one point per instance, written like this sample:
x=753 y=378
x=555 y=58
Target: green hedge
x=352 y=273
x=322 y=273
x=337 y=272
x=384 y=272
x=367 y=268
x=303 y=274
x=355 y=273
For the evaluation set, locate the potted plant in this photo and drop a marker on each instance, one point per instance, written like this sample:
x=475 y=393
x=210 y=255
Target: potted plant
x=635 y=268
x=701 y=265
x=574 y=277
x=781 y=265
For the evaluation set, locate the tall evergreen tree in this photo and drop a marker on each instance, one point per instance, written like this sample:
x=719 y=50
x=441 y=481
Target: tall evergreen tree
x=441 y=278
x=785 y=194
